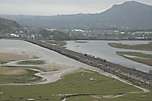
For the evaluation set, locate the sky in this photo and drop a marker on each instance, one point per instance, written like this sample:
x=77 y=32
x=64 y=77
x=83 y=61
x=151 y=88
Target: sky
x=57 y=7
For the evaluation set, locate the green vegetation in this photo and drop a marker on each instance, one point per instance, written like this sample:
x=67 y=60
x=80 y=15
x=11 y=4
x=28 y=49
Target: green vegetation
x=54 y=35
x=17 y=75
x=138 y=57
x=31 y=62
x=146 y=47
x=128 y=97
x=8 y=26
x=81 y=82
x=135 y=56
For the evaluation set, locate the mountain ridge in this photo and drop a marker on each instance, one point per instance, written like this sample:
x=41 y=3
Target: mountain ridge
x=128 y=15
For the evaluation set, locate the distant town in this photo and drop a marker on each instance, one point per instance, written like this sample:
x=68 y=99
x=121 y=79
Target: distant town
x=78 y=34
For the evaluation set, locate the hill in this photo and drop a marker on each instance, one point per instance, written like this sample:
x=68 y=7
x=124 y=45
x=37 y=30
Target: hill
x=8 y=25
x=129 y=15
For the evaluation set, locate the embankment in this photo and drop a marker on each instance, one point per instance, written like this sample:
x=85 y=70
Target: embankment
x=137 y=77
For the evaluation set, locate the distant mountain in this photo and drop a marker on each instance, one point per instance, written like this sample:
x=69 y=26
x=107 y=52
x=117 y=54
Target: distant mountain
x=129 y=15
x=8 y=25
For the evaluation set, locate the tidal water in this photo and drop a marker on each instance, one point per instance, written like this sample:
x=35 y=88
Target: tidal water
x=102 y=50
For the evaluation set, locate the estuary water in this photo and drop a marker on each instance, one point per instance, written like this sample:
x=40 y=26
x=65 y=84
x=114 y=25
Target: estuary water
x=101 y=49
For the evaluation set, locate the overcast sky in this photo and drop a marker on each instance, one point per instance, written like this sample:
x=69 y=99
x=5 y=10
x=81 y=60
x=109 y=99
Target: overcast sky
x=54 y=7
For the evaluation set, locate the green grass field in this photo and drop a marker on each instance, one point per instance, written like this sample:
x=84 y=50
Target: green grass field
x=146 y=47
x=129 y=97
x=80 y=82
x=138 y=57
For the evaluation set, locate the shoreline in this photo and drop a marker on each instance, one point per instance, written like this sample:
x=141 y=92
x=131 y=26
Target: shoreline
x=136 y=77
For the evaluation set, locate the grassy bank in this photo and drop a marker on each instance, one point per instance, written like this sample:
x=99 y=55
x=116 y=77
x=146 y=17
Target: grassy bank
x=146 y=47
x=17 y=75
x=128 y=97
x=81 y=82
x=138 y=57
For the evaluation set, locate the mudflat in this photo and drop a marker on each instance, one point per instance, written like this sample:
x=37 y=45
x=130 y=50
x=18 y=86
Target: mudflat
x=7 y=57
x=12 y=71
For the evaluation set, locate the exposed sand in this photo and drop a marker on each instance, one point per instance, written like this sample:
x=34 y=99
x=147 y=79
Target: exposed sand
x=8 y=56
